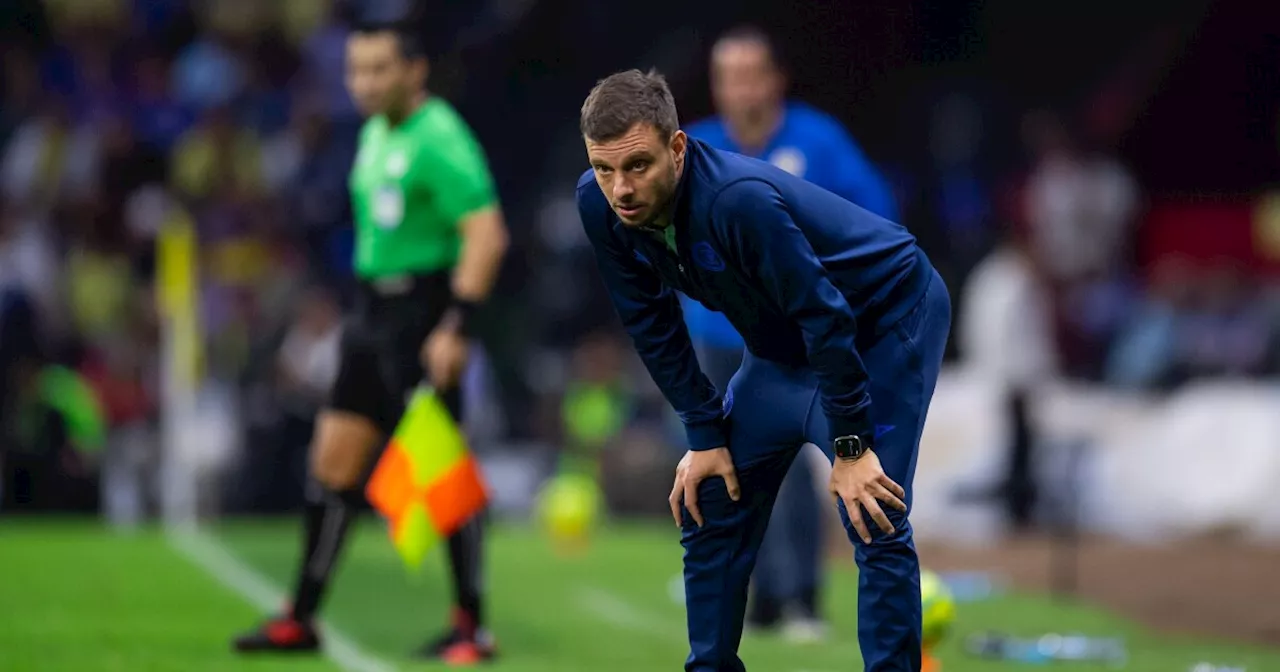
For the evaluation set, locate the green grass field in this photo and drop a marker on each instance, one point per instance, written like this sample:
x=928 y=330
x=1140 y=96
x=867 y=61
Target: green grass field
x=74 y=598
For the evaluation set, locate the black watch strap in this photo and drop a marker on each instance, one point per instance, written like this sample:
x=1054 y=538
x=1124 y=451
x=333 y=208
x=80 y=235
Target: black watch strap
x=465 y=313
x=851 y=447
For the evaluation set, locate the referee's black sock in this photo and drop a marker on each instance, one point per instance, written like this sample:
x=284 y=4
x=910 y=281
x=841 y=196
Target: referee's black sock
x=327 y=517
x=465 y=556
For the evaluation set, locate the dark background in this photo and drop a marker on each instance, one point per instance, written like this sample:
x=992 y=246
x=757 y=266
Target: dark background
x=1183 y=93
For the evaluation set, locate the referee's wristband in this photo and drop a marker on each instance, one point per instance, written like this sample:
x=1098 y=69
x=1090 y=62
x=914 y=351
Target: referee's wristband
x=464 y=313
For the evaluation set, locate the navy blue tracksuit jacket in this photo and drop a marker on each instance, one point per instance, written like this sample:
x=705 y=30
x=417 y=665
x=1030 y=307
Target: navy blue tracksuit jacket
x=844 y=321
x=810 y=144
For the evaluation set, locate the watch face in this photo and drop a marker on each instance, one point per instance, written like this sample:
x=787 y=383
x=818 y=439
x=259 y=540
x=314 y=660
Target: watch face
x=848 y=446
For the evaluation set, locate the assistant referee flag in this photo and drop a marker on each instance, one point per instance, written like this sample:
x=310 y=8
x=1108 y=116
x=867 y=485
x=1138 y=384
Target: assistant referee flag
x=427 y=484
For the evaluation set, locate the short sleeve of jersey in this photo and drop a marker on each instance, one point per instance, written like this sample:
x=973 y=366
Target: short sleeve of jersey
x=454 y=169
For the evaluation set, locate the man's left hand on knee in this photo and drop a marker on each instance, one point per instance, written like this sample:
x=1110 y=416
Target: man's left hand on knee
x=862 y=484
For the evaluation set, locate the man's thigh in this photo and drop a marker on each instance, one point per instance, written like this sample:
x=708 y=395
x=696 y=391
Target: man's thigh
x=720 y=364
x=766 y=410
x=378 y=370
x=903 y=367
x=897 y=412
x=766 y=413
x=363 y=386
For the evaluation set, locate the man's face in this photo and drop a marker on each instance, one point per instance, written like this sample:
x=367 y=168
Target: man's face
x=638 y=172
x=745 y=82
x=379 y=77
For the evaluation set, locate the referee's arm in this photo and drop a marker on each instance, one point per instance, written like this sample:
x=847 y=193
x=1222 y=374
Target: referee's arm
x=484 y=245
x=465 y=194
x=464 y=190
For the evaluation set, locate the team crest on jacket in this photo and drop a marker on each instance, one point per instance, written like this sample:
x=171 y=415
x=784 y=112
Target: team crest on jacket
x=705 y=257
x=789 y=159
x=397 y=164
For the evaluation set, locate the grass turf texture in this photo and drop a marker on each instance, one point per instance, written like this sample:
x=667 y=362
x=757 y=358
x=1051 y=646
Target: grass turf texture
x=77 y=598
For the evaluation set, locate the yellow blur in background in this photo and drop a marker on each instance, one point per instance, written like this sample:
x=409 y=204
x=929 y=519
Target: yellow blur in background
x=569 y=508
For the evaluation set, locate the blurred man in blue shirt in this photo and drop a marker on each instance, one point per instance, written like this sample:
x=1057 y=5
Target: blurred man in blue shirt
x=754 y=118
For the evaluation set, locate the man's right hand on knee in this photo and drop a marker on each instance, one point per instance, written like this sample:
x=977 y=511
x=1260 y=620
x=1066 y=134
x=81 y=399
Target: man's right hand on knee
x=695 y=467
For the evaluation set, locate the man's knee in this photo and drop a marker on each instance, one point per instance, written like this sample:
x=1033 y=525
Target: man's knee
x=758 y=480
x=341 y=449
x=879 y=538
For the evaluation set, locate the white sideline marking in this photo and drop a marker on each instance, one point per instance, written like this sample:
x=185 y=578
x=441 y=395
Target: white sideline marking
x=212 y=556
x=616 y=610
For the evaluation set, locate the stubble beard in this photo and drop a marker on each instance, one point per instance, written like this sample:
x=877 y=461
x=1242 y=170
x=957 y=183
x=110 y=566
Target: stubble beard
x=662 y=205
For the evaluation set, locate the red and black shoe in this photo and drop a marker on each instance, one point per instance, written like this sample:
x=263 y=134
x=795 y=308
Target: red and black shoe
x=283 y=634
x=462 y=645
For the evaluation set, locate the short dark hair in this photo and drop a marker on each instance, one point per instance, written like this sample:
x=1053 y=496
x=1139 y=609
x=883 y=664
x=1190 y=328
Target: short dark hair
x=625 y=99
x=412 y=46
x=751 y=33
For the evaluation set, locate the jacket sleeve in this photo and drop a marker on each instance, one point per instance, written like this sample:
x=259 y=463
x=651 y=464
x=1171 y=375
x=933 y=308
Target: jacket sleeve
x=754 y=220
x=650 y=312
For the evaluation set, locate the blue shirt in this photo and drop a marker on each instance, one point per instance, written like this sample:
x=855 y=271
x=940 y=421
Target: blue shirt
x=806 y=277
x=810 y=144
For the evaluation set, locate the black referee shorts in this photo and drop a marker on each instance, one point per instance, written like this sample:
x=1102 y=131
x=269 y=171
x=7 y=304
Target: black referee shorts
x=381 y=344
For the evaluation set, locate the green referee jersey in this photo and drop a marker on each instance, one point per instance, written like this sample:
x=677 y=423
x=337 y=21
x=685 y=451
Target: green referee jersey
x=411 y=186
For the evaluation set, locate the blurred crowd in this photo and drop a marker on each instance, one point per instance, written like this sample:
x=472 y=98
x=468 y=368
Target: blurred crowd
x=1061 y=294
x=119 y=117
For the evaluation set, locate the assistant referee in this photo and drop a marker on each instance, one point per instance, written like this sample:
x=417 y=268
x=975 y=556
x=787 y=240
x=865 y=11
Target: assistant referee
x=430 y=238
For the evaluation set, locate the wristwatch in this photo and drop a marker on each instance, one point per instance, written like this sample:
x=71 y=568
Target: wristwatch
x=851 y=447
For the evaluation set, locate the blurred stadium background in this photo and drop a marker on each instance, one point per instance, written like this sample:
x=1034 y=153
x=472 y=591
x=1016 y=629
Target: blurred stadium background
x=1093 y=177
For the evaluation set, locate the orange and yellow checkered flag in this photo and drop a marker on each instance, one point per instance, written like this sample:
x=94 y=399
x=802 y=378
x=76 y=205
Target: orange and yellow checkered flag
x=427 y=484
